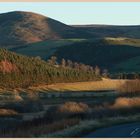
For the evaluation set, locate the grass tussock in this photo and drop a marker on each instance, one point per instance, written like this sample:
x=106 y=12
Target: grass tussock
x=124 y=102
x=38 y=128
x=131 y=86
x=66 y=120
x=8 y=112
x=73 y=107
x=67 y=110
x=87 y=126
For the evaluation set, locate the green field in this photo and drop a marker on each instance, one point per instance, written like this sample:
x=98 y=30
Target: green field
x=44 y=49
x=123 y=41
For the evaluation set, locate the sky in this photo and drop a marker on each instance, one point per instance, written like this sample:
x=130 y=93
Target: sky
x=114 y=13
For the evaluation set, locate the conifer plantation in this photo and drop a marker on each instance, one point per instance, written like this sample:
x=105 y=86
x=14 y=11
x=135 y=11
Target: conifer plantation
x=22 y=71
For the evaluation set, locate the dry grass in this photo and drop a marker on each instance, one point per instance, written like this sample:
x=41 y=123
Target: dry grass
x=7 y=112
x=34 y=129
x=105 y=84
x=88 y=126
x=124 y=102
x=73 y=107
x=67 y=110
x=130 y=86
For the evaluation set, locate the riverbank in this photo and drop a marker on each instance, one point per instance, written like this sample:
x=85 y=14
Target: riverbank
x=88 y=126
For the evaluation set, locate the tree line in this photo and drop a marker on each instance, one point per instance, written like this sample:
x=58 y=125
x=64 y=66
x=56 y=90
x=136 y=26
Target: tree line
x=32 y=71
x=78 y=66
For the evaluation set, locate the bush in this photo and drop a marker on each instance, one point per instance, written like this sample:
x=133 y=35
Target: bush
x=124 y=102
x=130 y=87
x=67 y=110
x=73 y=107
x=8 y=112
x=25 y=106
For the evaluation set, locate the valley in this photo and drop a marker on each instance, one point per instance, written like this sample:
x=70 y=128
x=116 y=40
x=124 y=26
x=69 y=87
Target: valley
x=59 y=80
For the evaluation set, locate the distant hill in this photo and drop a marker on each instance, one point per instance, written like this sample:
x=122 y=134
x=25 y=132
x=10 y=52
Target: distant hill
x=20 y=28
x=115 y=54
x=110 y=30
x=116 y=48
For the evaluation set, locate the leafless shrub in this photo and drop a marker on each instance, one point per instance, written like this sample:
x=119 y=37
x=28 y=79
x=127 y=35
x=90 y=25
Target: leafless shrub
x=8 y=112
x=131 y=87
x=73 y=107
x=125 y=102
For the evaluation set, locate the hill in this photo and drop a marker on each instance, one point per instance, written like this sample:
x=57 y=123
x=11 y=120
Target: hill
x=25 y=27
x=44 y=49
x=116 y=54
x=22 y=71
x=21 y=28
x=113 y=47
x=110 y=30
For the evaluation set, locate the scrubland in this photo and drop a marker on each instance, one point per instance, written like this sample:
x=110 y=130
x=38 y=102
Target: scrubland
x=73 y=118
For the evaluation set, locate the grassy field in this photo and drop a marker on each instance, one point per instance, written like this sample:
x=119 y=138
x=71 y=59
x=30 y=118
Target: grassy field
x=104 y=85
x=44 y=49
x=130 y=65
x=123 y=41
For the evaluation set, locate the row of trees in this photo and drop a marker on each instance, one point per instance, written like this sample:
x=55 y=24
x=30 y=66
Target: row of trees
x=124 y=75
x=33 y=71
x=78 y=66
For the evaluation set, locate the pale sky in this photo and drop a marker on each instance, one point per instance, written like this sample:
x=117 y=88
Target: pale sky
x=82 y=13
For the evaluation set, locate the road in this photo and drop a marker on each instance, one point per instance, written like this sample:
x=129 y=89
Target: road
x=120 y=131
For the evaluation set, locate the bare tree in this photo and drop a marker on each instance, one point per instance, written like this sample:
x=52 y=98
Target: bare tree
x=69 y=63
x=52 y=60
x=97 y=71
x=63 y=63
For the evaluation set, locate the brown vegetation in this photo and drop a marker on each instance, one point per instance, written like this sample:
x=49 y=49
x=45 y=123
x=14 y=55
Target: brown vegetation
x=124 y=102
x=7 y=67
x=38 y=128
x=104 y=84
x=67 y=110
x=73 y=107
x=7 y=112
x=131 y=86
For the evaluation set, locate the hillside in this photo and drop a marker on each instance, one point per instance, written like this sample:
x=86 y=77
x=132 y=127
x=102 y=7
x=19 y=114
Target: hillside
x=44 y=49
x=116 y=54
x=116 y=48
x=21 y=71
x=25 y=27
x=21 y=28
x=110 y=30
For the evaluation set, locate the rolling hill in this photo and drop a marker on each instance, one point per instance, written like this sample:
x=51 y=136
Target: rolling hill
x=19 y=28
x=116 y=48
x=115 y=54
x=110 y=30
x=25 y=27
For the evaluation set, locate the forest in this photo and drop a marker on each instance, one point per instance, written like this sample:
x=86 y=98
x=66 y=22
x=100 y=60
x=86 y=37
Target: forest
x=22 y=71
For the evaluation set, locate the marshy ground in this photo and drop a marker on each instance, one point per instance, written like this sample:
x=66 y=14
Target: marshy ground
x=58 y=110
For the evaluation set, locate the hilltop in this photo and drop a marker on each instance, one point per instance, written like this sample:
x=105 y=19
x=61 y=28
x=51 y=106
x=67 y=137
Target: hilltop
x=25 y=27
